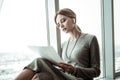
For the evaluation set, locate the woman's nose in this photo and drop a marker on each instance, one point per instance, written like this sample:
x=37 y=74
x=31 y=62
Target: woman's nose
x=61 y=26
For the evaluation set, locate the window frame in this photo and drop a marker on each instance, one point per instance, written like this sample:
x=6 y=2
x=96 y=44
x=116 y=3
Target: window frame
x=107 y=25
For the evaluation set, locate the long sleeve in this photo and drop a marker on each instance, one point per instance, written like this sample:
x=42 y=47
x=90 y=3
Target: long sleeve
x=94 y=60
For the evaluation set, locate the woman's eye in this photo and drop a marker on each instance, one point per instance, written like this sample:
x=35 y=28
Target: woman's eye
x=62 y=20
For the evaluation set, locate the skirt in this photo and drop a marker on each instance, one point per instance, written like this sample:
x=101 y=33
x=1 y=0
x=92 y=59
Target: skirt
x=51 y=72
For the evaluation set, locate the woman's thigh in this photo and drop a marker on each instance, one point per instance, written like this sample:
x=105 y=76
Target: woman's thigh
x=43 y=76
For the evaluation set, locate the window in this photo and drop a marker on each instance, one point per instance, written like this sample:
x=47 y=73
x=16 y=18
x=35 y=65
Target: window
x=22 y=24
x=117 y=31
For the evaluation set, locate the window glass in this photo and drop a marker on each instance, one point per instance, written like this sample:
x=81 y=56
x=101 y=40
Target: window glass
x=22 y=24
x=117 y=32
x=88 y=18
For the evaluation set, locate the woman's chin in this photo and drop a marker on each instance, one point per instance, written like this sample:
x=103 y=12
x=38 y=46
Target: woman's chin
x=65 y=31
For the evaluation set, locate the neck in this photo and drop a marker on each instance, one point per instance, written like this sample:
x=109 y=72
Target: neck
x=75 y=34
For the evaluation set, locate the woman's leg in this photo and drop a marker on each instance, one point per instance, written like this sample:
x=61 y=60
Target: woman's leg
x=26 y=74
x=40 y=65
x=43 y=76
x=35 y=77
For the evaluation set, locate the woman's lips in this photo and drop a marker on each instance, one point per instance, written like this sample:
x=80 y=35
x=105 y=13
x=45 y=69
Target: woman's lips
x=64 y=29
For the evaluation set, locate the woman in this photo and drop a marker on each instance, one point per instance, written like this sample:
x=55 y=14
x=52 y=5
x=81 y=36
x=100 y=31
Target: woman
x=80 y=54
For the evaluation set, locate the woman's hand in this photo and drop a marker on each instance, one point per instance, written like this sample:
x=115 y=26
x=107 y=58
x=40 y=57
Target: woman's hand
x=67 y=67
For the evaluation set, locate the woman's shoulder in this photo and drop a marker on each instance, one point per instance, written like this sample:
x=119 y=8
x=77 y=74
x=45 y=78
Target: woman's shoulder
x=89 y=36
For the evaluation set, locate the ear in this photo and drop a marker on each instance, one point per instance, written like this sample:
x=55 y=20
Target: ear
x=74 y=21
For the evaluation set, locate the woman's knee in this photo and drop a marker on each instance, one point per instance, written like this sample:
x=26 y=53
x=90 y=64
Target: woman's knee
x=26 y=74
x=42 y=60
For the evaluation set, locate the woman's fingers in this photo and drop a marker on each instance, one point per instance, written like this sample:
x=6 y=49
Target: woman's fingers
x=62 y=65
x=67 y=67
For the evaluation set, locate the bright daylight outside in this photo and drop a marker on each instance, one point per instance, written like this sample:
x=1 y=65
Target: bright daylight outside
x=20 y=26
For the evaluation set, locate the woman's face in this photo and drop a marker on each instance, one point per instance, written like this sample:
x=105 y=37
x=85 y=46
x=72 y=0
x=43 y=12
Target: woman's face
x=65 y=23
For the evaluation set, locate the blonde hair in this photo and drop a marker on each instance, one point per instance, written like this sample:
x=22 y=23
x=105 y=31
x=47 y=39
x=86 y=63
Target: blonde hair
x=66 y=12
x=69 y=13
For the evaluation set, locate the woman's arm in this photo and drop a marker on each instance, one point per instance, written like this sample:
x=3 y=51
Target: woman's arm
x=94 y=56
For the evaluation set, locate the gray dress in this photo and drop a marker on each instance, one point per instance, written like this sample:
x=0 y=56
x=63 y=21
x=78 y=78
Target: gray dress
x=83 y=54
